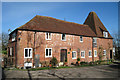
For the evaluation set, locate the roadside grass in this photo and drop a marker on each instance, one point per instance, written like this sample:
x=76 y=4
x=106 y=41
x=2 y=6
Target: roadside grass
x=60 y=67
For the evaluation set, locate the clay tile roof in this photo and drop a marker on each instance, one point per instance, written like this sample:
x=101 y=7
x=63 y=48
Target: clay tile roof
x=96 y=25
x=49 y=24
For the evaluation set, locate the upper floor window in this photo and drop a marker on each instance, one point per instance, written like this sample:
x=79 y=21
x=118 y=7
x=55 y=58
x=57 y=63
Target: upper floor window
x=63 y=37
x=90 y=53
x=95 y=53
x=13 y=36
x=48 y=36
x=27 y=52
x=104 y=52
x=94 y=42
x=48 y=52
x=105 y=34
x=81 y=39
x=74 y=54
x=82 y=54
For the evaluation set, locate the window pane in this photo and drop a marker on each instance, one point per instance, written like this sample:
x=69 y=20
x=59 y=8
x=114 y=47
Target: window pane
x=46 y=35
x=89 y=53
x=30 y=54
x=46 y=52
x=82 y=54
x=81 y=38
x=63 y=36
x=49 y=52
x=26 y=52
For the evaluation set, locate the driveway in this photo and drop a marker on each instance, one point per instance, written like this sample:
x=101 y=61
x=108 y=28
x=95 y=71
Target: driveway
x=101 y=71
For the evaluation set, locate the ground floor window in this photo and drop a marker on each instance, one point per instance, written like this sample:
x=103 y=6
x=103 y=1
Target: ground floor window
x=95 y=53
x=27 y=52
x=82 y=54
x=74 y=54
x=90 y=53
x=104 y=52
x=48 y=52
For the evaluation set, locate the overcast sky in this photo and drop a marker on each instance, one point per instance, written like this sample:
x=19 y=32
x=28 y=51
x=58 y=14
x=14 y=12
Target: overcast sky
x=15 y=14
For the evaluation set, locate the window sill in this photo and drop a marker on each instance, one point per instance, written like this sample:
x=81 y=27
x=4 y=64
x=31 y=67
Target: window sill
x=90 y=56
x=82 y=57
x=27 y=57
x=81 y=41
x=48 y=39
x=74 y=58
x=48 y=56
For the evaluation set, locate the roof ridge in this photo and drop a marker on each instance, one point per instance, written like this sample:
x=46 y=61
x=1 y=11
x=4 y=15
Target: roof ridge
x=61 y=20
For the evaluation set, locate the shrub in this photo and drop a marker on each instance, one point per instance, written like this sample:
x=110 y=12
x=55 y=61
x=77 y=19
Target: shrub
x=91 y=63
x=78 y=59
x=54 y=61
x=83 y=63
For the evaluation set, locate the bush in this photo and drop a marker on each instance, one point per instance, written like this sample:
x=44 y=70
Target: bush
x=78 y=59
x=91 y=63
x=83 y=63
x=54 y=61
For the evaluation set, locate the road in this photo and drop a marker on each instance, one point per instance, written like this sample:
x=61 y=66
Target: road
x=101 y=71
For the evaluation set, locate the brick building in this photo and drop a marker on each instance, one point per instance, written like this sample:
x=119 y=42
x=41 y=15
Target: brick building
x=42 y=37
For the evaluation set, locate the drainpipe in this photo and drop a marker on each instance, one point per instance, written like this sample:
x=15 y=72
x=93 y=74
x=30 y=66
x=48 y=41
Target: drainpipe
x=34 y=50
x=92 y=51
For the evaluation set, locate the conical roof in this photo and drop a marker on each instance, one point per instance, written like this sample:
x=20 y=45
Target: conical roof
x=96 y=25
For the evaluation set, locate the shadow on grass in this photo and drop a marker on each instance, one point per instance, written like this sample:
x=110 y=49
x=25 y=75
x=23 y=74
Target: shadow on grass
x=30 y=78
x=3 y=74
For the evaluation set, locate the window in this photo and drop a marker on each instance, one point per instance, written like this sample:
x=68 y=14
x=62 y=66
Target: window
x=48 y=52
x=105 y=34
x=94 y=42
x=81 y=39
x=13 y=36
x=90 y=53
x=74 y=54
x=48 y=36
x=95 y=53
x=27 y=52
x=82 y=54
x=104 y=52
x=11 y=51
x=63 y=37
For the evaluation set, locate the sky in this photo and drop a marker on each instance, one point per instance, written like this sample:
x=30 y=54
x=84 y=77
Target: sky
x=15 y=14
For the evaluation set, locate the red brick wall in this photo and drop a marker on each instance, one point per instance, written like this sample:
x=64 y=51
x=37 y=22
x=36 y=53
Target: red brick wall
x=73 y=42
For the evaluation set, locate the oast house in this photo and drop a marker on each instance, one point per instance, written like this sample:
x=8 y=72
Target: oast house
x=37 y=41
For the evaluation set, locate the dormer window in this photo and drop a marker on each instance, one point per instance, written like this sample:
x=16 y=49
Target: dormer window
x=13 y=36
x=105 y=34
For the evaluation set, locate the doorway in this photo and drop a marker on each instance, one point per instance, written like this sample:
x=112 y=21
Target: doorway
x=110 y=54
x=63 y=55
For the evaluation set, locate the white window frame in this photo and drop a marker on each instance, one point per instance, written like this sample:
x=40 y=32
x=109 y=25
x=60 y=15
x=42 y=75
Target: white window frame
x=105 y=33
x=75 y=56
x=48 y=36
x=103 y=52
x=80 y=38
x=13 y=37
x=28 y=53
x=64 y=39
x=94 y=53
x=48 y=52
x=91 y=53
x=84 y=54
